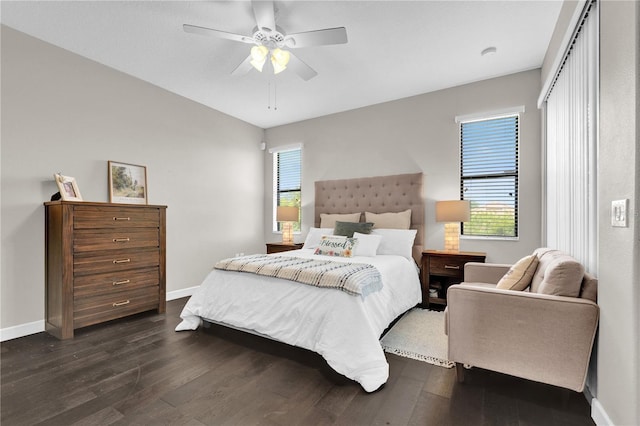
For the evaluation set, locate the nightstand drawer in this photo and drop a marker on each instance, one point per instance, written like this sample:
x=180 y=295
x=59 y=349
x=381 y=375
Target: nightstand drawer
x=448 y=267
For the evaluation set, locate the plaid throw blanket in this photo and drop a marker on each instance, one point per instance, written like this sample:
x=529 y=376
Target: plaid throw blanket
x=358 y=279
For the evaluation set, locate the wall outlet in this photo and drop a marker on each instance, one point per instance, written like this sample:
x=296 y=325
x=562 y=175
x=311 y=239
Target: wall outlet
x=619 y=215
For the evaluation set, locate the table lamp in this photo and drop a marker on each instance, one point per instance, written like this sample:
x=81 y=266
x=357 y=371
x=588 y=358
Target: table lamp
x=287 y=215
x=452 y=212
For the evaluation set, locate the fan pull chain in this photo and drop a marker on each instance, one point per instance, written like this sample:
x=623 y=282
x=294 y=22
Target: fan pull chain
x=275 y=96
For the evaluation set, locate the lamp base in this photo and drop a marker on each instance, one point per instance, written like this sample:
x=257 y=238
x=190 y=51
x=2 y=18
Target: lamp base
x=287 y=233
x=452 y=236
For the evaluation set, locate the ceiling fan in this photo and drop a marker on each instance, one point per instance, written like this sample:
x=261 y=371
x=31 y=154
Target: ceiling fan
x=271 y=41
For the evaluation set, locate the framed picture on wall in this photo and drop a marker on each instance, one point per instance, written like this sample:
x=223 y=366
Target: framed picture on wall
x=68 y=187
x=127 y=183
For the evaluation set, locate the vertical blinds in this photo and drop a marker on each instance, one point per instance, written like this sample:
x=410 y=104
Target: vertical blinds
x=570 y=161
x=489 y=175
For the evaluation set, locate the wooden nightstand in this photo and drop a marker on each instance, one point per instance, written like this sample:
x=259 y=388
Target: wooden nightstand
x=279 y=247
x=440 y=269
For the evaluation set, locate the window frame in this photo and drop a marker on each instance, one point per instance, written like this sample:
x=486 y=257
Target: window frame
x=495 y=115
x=276 y=228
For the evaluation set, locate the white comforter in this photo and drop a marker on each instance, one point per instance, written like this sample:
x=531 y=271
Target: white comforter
x=344 y=329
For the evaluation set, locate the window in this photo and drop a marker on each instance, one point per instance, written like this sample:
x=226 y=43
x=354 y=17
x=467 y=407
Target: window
x=489 y=175
x=287 y=191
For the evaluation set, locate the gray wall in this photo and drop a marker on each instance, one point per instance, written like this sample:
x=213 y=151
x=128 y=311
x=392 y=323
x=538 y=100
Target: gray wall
x=419 y=134
x=618 y=386
x=62 y=112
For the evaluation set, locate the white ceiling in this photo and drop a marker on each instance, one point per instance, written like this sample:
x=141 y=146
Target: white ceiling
x=396 y=49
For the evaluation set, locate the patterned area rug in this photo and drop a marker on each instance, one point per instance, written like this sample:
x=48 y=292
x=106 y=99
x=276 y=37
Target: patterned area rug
x=419 y=334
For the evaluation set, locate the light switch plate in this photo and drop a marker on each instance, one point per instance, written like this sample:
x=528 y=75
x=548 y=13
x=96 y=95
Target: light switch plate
x=619 y=213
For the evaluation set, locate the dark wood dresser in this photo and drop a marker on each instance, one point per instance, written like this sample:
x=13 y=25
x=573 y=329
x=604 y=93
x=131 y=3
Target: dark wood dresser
x=102 y=261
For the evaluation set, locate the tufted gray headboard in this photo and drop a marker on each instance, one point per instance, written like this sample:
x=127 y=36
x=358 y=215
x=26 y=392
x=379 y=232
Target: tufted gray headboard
x=380 y=194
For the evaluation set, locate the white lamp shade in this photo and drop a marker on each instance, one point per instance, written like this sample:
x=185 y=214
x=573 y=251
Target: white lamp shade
x=279 y=59
x=287 y=214
x=453 y=211
x=259 y=56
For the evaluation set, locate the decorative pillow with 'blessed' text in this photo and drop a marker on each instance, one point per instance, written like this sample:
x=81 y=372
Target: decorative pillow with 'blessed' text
x=336 y=246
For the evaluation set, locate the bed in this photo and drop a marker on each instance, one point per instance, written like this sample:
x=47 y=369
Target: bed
x=343 y=328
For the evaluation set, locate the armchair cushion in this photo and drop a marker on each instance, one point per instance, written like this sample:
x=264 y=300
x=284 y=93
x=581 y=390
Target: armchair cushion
x=558 y=274
x=519 y=275
x=589 y=288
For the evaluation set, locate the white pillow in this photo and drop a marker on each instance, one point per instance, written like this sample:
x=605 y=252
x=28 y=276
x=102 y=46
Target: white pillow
x=329 y=220
x=400 y=220
x=396 y=241
x=367 y=244
x=313 y=237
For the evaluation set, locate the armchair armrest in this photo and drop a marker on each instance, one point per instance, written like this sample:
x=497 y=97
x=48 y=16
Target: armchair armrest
x=484 y=272
x=534 y=336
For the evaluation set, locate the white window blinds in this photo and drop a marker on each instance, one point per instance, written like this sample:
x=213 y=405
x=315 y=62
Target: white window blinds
x=489 y=175
x=570 y=159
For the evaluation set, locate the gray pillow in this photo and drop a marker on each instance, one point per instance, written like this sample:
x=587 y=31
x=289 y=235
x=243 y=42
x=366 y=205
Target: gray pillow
x=348 y=228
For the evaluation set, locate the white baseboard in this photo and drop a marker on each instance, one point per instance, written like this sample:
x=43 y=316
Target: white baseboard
x=599 y=416
x=183 y=292
x=21 y=330
x=34 y=327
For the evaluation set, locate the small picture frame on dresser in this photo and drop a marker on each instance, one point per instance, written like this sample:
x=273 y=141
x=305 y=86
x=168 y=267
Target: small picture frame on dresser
x=68 y=187
x=127 y=183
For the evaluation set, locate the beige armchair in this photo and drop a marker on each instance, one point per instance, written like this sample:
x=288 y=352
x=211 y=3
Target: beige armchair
x=542 y=337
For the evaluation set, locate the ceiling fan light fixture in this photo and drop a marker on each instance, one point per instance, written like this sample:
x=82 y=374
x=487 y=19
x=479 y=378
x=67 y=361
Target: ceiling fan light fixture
x=259 y=56
x=279 y=59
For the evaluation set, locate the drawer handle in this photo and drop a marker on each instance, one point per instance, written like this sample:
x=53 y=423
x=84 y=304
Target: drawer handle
x=116 y=304
x=451 y=266
x=121 y=218
x=121 y=282
x=121 y=240
x=122 y=261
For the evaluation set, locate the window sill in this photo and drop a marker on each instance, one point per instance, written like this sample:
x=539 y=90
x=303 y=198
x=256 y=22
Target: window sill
x=483 y=238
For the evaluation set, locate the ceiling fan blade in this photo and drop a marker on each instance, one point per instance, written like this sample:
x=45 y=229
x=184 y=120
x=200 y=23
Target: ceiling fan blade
x=217 y=33
x=317 y=38
x=265 y=15
x=303 y=70
x=244 y=67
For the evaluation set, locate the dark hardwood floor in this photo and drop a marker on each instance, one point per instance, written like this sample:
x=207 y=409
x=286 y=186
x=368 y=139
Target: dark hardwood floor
x=139 y=371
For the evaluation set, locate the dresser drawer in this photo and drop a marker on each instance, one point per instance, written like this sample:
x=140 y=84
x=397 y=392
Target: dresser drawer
x=112 y=239
x=93 y=285
x=95 y=309
x=91 y=217
x=114 y=261
x=448 y=267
